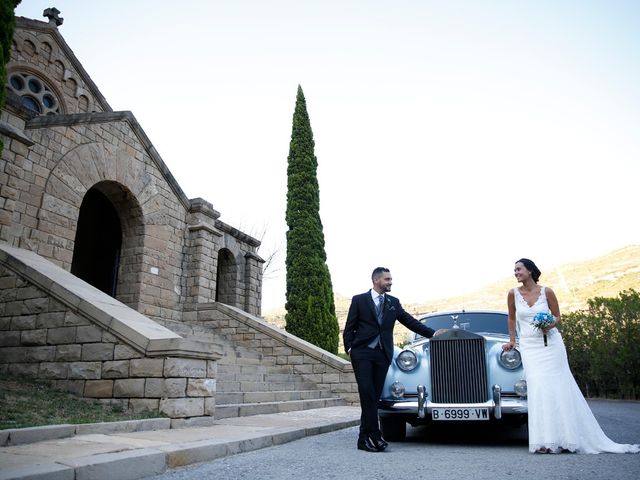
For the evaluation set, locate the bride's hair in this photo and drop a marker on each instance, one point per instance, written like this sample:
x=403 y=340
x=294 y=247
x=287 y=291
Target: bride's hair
x=529 y=265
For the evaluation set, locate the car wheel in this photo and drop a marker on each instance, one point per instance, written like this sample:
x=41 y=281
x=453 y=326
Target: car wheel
x=393 y=429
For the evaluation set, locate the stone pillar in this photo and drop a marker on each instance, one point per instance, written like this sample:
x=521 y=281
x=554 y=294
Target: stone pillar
x=202 y=253
x=253 y=283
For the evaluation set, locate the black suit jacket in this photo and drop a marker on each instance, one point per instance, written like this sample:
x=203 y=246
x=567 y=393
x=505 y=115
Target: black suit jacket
x=362 y=324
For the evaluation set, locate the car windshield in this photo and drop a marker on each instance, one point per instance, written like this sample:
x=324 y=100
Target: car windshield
x=477 y=322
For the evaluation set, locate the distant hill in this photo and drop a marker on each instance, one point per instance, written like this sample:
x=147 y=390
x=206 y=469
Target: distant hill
x=574 y=284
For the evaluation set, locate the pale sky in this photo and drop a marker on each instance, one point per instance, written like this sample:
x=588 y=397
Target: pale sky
x=453 y=137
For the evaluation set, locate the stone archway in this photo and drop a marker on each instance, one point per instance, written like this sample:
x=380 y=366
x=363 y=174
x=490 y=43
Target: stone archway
x=122 y=180
x=226 y=278
x=98 y=242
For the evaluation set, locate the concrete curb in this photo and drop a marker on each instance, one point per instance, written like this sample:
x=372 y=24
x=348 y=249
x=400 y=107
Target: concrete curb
x=141 y=460
x=22 y=436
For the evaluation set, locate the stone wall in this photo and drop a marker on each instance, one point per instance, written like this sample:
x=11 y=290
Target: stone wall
x=278 y=347
x=48 y=338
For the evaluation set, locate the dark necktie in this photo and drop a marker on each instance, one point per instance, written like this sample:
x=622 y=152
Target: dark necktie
x=379 y=308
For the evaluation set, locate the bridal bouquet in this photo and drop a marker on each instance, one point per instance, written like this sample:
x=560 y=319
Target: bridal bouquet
x=542 y=320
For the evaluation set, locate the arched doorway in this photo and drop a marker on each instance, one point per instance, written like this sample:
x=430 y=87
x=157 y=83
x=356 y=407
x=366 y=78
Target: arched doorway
x=226 y=280
x=98 y=242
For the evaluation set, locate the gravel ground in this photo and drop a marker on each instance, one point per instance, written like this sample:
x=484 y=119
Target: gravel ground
x=447 y=452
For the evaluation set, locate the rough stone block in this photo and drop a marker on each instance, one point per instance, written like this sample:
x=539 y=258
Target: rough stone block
x=138 y=405
x=10 y=338
x=125 y=352
x=72 y=319
x=129 y=387
x=56 y=336
x=72 y=386
x=201 y=387
x=88 y=334
x=165 y=387
x=68 y=353
x=55 y=370
x=115 y=369
x=97 y=351
x=98 y=388
x=36 y=305
x=85 y=370
x=29 y=370
x=210 y=406
x=50 y=320
x=185 y=367
x=20 y=322
x=33 y=337
x=182 y=407
x=146 y=367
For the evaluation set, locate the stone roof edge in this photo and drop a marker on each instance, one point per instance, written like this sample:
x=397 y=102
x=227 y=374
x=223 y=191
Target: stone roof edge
x=71 y=119
x=31 y=24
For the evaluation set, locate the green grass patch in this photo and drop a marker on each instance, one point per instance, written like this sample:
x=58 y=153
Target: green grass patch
x=27 y=403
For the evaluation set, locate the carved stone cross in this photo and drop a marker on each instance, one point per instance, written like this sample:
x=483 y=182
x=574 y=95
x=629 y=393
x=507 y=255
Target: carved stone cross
x=53 y=15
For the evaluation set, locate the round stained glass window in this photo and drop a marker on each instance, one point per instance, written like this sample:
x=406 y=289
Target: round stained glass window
x=34 y=85
x=48 y=101
x=31 y=103
x=17 y=82
x=35 y=94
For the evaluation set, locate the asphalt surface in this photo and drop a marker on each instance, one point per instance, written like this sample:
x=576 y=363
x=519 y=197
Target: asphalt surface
x=481 y=452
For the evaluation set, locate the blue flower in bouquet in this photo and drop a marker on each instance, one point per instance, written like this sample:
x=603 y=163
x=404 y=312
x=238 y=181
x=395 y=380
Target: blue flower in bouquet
x=542 y=320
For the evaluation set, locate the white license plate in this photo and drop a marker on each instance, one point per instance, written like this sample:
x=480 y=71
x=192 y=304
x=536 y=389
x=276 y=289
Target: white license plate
x=463 y=414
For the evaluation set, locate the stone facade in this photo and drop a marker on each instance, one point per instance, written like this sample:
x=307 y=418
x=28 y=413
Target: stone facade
x=113 y=284
x=172 y=250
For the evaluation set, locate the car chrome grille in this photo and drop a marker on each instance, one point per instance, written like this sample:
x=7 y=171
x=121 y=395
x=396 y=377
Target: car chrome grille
x=458 y=371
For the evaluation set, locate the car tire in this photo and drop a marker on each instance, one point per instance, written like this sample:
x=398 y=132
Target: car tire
x=393 y=429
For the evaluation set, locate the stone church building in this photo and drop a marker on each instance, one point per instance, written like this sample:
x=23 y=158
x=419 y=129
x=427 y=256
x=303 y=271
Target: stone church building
x=113 y=284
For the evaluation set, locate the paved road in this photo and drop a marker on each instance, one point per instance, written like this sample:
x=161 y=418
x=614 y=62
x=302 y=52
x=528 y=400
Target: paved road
x=478 y=453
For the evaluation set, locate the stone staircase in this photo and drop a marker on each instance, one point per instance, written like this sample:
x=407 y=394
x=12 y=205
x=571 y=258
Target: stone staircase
x=249 y=384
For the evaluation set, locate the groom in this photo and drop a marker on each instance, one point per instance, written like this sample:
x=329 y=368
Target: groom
x=368 y=339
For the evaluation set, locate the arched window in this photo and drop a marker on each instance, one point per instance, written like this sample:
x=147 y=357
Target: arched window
x=36 y=95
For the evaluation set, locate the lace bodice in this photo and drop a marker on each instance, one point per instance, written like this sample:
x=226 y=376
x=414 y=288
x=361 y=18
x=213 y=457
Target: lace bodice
x=525 y=313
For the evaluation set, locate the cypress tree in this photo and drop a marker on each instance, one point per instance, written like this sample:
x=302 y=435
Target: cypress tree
x=7 y=25
x=311 y=312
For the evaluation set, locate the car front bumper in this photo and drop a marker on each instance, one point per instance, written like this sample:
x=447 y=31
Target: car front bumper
x=498 y=406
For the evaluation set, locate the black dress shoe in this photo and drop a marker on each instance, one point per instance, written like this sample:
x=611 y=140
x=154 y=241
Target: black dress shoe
x=367 y=445
x=380 y=444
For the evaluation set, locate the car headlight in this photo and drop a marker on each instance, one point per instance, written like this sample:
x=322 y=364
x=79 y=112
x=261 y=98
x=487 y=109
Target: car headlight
x=520 y=388
x=407 y=360
x=397 y=389
x=510 y=359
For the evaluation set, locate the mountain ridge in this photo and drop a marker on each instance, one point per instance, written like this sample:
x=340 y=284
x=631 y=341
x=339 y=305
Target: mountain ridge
x=574 y=284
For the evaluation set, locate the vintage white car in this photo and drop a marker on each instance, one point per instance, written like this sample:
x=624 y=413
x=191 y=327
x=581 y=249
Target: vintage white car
x=461 y=375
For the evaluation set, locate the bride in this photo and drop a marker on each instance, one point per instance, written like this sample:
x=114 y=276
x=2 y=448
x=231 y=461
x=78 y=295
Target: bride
x=559 y=417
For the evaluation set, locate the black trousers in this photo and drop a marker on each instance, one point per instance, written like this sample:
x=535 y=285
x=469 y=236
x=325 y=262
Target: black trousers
x=370 y=368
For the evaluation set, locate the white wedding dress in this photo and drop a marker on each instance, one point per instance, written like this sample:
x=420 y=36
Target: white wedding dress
x=559 y=416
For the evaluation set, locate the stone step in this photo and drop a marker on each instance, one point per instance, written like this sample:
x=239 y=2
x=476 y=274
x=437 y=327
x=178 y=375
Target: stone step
x=248 y=409
x=251 y=386
x=226 y=398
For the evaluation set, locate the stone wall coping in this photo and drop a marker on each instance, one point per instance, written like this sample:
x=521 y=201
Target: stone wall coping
x=10 y=131
x=280 y=335
x=127 y=324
